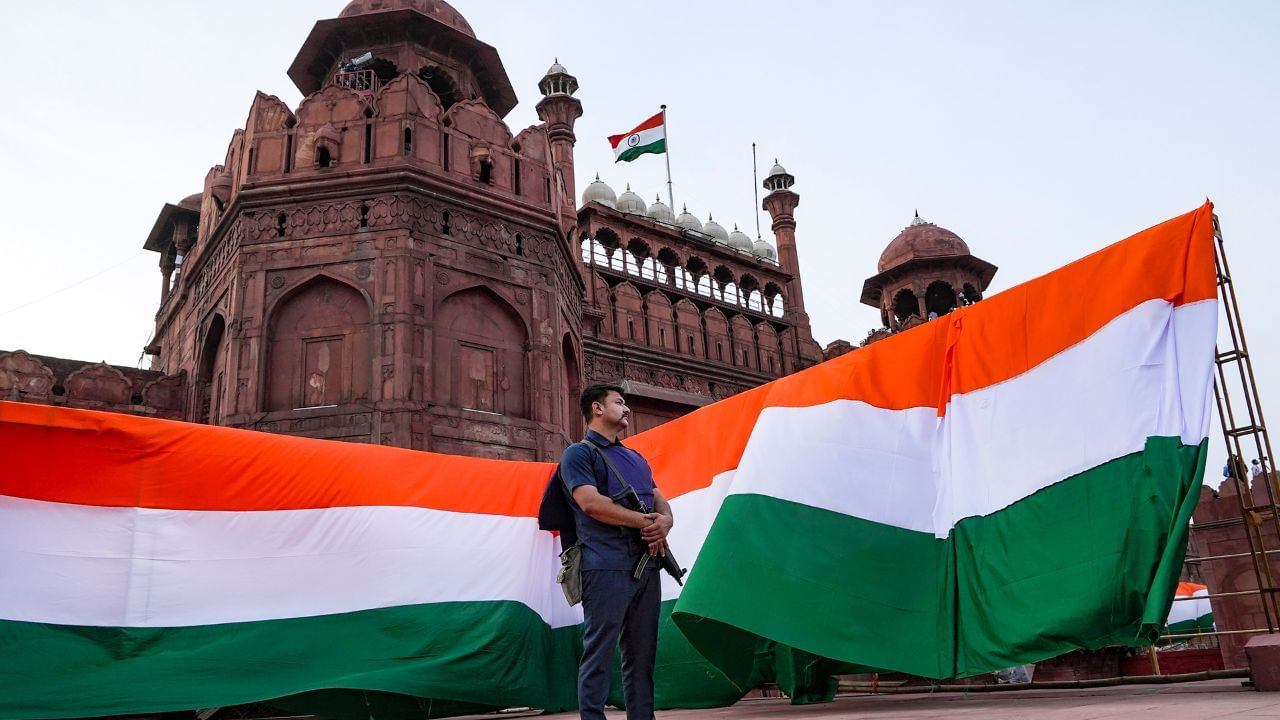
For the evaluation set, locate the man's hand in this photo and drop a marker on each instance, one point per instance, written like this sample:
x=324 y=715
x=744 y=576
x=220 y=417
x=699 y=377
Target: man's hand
x=658 y=547
x=656 y=531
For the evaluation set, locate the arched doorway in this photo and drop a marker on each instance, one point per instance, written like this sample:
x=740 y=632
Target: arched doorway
x=318 y=347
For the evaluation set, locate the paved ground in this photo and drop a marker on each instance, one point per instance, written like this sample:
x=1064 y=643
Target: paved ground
x=1207 y=699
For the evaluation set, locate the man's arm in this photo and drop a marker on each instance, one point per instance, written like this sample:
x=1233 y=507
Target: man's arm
x=656 y=532
x=607 y=511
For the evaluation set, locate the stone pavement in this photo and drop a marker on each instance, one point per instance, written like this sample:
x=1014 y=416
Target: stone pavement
x=1199 y=700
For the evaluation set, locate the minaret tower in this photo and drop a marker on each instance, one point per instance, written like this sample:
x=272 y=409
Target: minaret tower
x=559 y=110
x=781 y=203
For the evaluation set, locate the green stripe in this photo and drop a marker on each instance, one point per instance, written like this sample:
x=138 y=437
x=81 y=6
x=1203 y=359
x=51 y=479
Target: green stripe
x=485 y=654
x=630 y=154
x=1204 y=623
x=408 y=662
x=1090 y=561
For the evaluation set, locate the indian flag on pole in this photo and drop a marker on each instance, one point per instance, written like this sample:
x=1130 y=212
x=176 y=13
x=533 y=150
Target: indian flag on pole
x=1002 y=485
x=649 y=136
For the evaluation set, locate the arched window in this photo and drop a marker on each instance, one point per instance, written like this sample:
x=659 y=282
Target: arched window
x=211 y=375
x=323 y=158
x=572 y=388
x=939 y=298
x=442 y=84
x=318 y=347
x=479 y=354
x=905 y=304
x=408 y=141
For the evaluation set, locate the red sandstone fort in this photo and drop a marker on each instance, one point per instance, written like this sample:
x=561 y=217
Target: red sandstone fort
x=390 y=263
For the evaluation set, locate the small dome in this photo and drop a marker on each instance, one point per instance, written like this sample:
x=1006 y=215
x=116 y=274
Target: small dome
x=919 y=240
x=599 y=191
x=778 y=178
x=557 y=81
x=438 y=10
x=629 y=202
x=739 y=240
x=191 y=202
x=715 y=230
x=689 y=221
x=660 y=212
x=763 y=249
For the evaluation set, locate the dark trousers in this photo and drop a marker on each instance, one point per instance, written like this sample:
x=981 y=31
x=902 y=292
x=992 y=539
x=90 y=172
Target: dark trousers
x=616 y=607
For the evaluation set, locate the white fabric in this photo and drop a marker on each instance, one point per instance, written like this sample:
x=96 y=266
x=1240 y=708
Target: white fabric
x=1193 y=609
x=133 y=567
x=1147 y=373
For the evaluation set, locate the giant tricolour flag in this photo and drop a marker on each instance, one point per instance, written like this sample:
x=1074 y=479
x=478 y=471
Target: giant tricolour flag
x=999 y=486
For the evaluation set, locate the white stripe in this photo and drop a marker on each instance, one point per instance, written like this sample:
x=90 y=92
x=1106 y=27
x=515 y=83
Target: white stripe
x=644 y=137
x=1193 y=609
x=131 y=567
x=1147 y=373
x=80 y=565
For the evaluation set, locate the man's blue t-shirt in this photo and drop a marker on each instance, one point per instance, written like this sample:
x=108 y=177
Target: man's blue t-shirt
x=604 y=546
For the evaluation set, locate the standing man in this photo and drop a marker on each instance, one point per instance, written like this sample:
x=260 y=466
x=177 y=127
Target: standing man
x=615 y=604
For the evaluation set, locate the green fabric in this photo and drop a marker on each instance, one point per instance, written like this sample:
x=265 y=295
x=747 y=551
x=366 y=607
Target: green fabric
x=1090 y=561
x=632 y=153
x=491 y=654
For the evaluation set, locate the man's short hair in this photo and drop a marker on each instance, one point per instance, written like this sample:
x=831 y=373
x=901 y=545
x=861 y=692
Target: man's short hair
x=594 y=394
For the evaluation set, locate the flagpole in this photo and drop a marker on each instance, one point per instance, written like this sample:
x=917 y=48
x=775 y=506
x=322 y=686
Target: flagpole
x=755 y=188
x=666 y=140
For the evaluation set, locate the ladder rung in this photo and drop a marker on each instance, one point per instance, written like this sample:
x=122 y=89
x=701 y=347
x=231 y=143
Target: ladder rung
x=1246 y=430
x=1231 y=355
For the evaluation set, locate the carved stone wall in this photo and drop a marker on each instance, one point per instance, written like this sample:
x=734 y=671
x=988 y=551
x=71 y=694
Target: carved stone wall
x=92 y=386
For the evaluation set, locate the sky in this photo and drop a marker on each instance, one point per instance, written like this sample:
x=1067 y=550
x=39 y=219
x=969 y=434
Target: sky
x=1038 y=132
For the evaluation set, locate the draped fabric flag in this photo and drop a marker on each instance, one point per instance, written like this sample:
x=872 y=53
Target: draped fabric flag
x=1002 y=485
x=1191 y=611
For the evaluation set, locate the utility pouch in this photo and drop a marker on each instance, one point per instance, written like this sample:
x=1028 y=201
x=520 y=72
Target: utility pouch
x=570 y=575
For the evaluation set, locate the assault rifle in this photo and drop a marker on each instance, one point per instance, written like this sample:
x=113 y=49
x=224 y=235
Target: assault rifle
x=669 y=563
x=630 y=499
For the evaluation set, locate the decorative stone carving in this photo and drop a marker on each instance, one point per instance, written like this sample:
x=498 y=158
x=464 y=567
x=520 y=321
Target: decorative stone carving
x=23 y=377
x=99 y=383
x=167 y=393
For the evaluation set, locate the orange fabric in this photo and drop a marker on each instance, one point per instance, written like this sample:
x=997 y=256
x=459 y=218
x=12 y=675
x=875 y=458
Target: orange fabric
x=91 y=458
x=108 y=459
x=974 y=347
x=1187 y=589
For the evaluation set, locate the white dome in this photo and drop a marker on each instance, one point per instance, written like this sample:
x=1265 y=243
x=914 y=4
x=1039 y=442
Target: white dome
x=715 y=230
x=763 y=249
x=739 y=240
x=629 y=202
x=689 y=221
x=777 y=169
x=599 y=192
x=660 y=212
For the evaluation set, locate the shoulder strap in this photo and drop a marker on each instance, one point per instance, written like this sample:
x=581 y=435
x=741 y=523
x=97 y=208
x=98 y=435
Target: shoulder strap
x=602 y=488
x=626 y=486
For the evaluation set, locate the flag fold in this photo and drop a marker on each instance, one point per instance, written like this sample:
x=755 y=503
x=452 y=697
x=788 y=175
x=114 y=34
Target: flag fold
x=999 y=486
